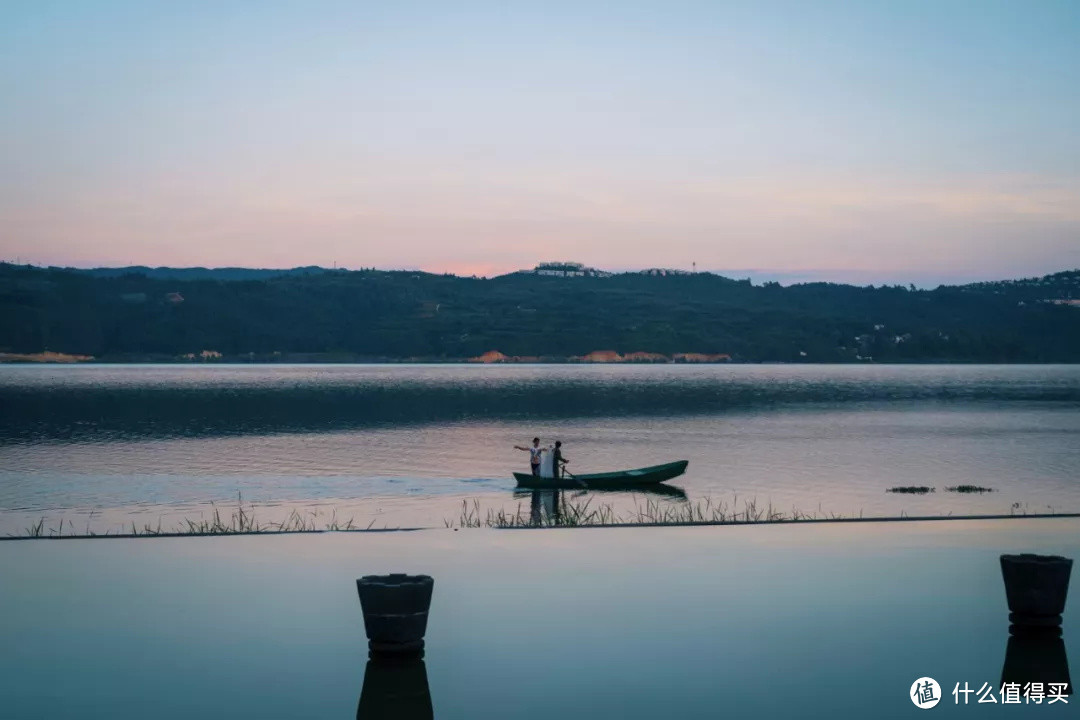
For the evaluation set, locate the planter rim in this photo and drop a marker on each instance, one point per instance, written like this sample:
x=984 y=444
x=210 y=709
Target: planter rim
x=394 y=579
x=1033 y=558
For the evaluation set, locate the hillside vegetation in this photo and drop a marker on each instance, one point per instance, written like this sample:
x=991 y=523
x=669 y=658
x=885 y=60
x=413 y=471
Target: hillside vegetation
x=320 y=314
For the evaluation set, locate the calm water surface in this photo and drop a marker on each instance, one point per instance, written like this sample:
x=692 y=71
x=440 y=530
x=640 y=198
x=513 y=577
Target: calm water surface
x=404 y=445
x=765 y=622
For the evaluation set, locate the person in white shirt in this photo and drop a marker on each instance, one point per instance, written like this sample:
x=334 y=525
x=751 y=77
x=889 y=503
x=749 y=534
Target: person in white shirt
x=534 y=455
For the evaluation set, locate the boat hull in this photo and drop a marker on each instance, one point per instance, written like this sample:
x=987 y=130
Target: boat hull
x=623 y=480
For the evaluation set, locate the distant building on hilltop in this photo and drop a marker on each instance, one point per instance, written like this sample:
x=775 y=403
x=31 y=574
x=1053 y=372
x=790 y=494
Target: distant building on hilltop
x=664 y=272
x=567 y=269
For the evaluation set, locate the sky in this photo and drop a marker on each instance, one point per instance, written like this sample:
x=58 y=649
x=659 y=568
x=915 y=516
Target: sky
x=852 y=141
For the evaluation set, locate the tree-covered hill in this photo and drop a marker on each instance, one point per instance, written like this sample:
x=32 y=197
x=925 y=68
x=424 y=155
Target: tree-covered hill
x=316 y=313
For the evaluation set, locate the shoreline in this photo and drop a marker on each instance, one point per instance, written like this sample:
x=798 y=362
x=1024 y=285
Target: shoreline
x=466 y=361
x=623 y=525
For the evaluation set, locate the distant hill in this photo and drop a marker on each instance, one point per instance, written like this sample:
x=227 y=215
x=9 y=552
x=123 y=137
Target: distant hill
x=1059 y=285
x=236 y=314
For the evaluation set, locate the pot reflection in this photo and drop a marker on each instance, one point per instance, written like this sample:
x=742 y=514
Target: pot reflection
x=395 y=688
x=1036 y=657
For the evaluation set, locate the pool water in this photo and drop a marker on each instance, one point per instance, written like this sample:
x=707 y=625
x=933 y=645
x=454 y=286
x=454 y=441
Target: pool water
x=776 y=621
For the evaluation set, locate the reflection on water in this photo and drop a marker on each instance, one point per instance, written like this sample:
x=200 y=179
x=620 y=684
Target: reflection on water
x=660 y=490
x=395 y=689
x=1036 y=656
x=135 y=402
x=544 y=507
x=549 y=507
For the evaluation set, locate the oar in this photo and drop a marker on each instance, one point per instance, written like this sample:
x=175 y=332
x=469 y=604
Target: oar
x=574 y=478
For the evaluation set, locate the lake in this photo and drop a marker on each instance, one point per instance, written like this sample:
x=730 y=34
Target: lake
x=98 y=447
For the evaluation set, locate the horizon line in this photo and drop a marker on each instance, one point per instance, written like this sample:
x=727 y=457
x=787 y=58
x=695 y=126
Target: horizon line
x=761 y=275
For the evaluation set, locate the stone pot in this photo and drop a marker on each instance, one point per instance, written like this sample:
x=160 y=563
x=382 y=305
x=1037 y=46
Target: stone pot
x=395 y=611
x=1036 y=587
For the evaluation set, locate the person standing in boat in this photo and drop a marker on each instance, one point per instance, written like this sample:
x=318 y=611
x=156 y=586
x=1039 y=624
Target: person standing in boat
x=534 y=455
x=559 y=462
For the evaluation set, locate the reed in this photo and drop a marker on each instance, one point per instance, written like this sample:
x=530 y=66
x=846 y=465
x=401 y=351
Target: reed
x=241 y=521
x=574 y=512
x=706 y=511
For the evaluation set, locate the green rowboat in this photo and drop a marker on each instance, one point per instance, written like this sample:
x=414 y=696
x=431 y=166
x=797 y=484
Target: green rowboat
x=621 y=480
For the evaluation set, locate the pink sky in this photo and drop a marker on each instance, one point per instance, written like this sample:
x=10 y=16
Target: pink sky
x=887 y=143
x=971 y=227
